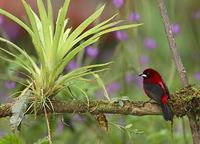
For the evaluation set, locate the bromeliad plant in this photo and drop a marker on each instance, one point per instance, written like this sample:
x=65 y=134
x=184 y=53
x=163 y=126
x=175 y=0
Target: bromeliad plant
x=55 y=46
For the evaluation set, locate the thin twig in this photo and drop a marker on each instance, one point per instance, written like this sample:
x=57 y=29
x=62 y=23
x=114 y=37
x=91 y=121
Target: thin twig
x=172 y=44
x=48 y=125
x=179 y=67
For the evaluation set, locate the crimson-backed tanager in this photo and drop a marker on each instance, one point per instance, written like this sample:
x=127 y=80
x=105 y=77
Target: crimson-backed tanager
x=156 y=89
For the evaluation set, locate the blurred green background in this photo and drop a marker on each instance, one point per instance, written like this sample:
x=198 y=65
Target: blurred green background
x=131 y=51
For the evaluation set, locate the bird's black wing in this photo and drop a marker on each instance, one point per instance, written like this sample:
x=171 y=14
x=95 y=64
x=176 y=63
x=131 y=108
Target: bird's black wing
x=154 y=91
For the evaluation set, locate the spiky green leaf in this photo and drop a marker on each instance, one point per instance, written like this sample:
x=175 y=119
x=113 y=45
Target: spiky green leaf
x=18 y=21
x=59 y=26
x=79 y=30
x=100 y=82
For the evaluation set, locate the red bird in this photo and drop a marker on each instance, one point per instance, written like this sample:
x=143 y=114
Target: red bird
x=156 y=89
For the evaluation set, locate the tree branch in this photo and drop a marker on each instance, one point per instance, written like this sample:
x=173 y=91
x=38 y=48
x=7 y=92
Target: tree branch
x=195 y=128
x=94 y=107
x=182 y=102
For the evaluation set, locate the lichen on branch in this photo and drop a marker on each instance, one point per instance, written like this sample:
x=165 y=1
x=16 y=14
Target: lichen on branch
x=186 y=100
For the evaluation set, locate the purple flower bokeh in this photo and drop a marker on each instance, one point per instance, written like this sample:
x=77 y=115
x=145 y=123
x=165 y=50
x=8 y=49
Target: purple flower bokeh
x=71 y=66
x=128 y=78
x=2 y=134
x=138 y=81
x=121 y=35
x=134 y=17
x=175 y=29
x=78 y=118
x=150 y=43
x=1 y=20
x=196 y=15
x=113 y=87
x=92 y=52
x=144 y=59
x=60 y=127
x=197 y=76
x=10 y=84
x=11 y=30
x=118 y=3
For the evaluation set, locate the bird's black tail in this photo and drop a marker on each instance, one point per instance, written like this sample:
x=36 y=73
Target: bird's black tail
x=167 y=113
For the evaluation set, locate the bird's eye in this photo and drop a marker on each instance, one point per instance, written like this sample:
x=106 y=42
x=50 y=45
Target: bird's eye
x=148 y=74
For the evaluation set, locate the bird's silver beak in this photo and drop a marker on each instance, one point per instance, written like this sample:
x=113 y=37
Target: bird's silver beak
x=143 y=75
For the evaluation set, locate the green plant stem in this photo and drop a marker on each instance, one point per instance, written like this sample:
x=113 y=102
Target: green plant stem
x=48 y=125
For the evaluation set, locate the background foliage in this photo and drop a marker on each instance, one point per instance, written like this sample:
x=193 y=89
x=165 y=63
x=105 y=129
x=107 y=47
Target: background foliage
x=131 y=51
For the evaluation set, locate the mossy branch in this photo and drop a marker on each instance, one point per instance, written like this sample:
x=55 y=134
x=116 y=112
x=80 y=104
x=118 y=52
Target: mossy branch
x=94 y=107
x=183 y=102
